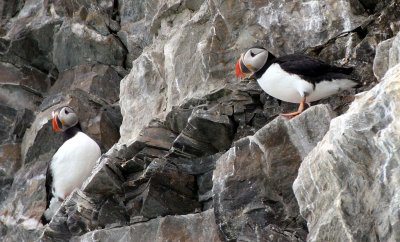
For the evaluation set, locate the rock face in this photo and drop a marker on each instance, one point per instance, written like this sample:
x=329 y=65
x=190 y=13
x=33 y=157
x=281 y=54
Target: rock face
x=188 y=149
x=194 y=227
x=347 y=186
x=183 y=63
x=387 y=56
x=252 y=191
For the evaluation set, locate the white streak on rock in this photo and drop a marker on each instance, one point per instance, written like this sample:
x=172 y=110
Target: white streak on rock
x=84 y=32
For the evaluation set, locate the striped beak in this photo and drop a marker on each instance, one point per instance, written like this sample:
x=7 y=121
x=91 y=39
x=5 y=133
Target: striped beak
x=241 y=69
x=56 y=122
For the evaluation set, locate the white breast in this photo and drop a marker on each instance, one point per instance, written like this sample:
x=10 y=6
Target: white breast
x=290 y=87
x=73 y=163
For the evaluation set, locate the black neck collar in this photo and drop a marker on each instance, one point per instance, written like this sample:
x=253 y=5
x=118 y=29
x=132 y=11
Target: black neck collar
x=71 y=132
x=270 y=61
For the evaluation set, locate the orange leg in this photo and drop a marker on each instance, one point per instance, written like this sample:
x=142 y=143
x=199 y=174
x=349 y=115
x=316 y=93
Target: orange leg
x=299 y=110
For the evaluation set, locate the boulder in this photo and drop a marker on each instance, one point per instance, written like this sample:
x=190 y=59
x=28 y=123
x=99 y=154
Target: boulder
x=292 y=26
x=206 y=133
x=76 y=44
x=191 y=227
x=27 y=77
x=30 y=42
x=18 y=212
x=9 y=9
x=252 y=182
x=10 y=158
x=387 y=56
x=13 y=123
x=347 y=187
x=96 y=79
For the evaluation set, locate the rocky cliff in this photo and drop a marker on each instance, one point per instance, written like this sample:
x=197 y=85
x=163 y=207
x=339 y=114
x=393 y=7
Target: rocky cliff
x=190 y=153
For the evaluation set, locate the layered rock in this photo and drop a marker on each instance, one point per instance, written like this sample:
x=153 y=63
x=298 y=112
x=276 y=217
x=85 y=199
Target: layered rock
x=387 y=56
x=167 y=170
x=181 y=109
x=181 y=63
x=252 y=182
x=92 y=48
x=347 y=186
x=193 y=227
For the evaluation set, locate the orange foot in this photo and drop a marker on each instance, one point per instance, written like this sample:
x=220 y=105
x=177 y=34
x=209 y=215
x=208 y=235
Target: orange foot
x=299 y=110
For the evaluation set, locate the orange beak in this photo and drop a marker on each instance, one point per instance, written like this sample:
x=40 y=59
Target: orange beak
x=54 y=123
x=238 y=70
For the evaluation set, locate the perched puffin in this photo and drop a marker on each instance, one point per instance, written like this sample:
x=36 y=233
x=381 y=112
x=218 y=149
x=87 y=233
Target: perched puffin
x=294 y=78
x=72 y=163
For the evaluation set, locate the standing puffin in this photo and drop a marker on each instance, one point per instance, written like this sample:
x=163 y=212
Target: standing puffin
x=294 y=78
x=72 y=163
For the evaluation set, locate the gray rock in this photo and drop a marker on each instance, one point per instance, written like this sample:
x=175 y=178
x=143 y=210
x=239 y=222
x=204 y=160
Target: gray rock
x=207 y=132
x=197 y=166
x=381 y=60
x=166 y=69
x=99 y=80
x=13 y=123
x=70 y=9
x=31 y=41
x=22 y=87
x=347 y=186
x=291 y=26
x=10 y=158
x=76 y=216
x=30 y=78
x=106 y=178
x=160 y=190
x=182 y=108
x=9 y=9
x=18 y=97
x=192 y=227
x=369 y=4
x=387 y=56
x=18 y=233
x=76 y=44
x=205 y=184
x=252 y=182
x=5 y=186
x=16 y=209
x=381 y=28
x=112 y=213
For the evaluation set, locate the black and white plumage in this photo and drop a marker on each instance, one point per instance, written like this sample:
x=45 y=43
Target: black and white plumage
x=73 y=162
x=294 y=78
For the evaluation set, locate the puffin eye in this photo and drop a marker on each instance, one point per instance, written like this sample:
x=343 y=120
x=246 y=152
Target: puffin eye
x=252 y=54
x=66 y=111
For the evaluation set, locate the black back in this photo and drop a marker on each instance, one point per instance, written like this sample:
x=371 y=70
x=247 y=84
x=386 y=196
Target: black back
x=68 y=134
x=308 y=68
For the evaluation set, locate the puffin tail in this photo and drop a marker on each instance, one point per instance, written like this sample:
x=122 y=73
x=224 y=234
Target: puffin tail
x=348 y=71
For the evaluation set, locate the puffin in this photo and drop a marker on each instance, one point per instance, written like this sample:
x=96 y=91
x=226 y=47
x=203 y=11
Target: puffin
x=294 y=78
x=73 y=162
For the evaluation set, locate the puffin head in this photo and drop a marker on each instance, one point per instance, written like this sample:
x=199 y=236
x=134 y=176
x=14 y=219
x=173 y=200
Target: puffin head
x=63 y=118
x=251 y=61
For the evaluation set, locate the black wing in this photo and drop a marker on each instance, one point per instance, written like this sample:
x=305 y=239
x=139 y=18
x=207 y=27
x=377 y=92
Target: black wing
x=311 y=69
x=49 y=182
x=49 y=190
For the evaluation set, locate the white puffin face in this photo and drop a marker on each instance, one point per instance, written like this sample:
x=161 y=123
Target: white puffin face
x=254 y=59
x=64 y=118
